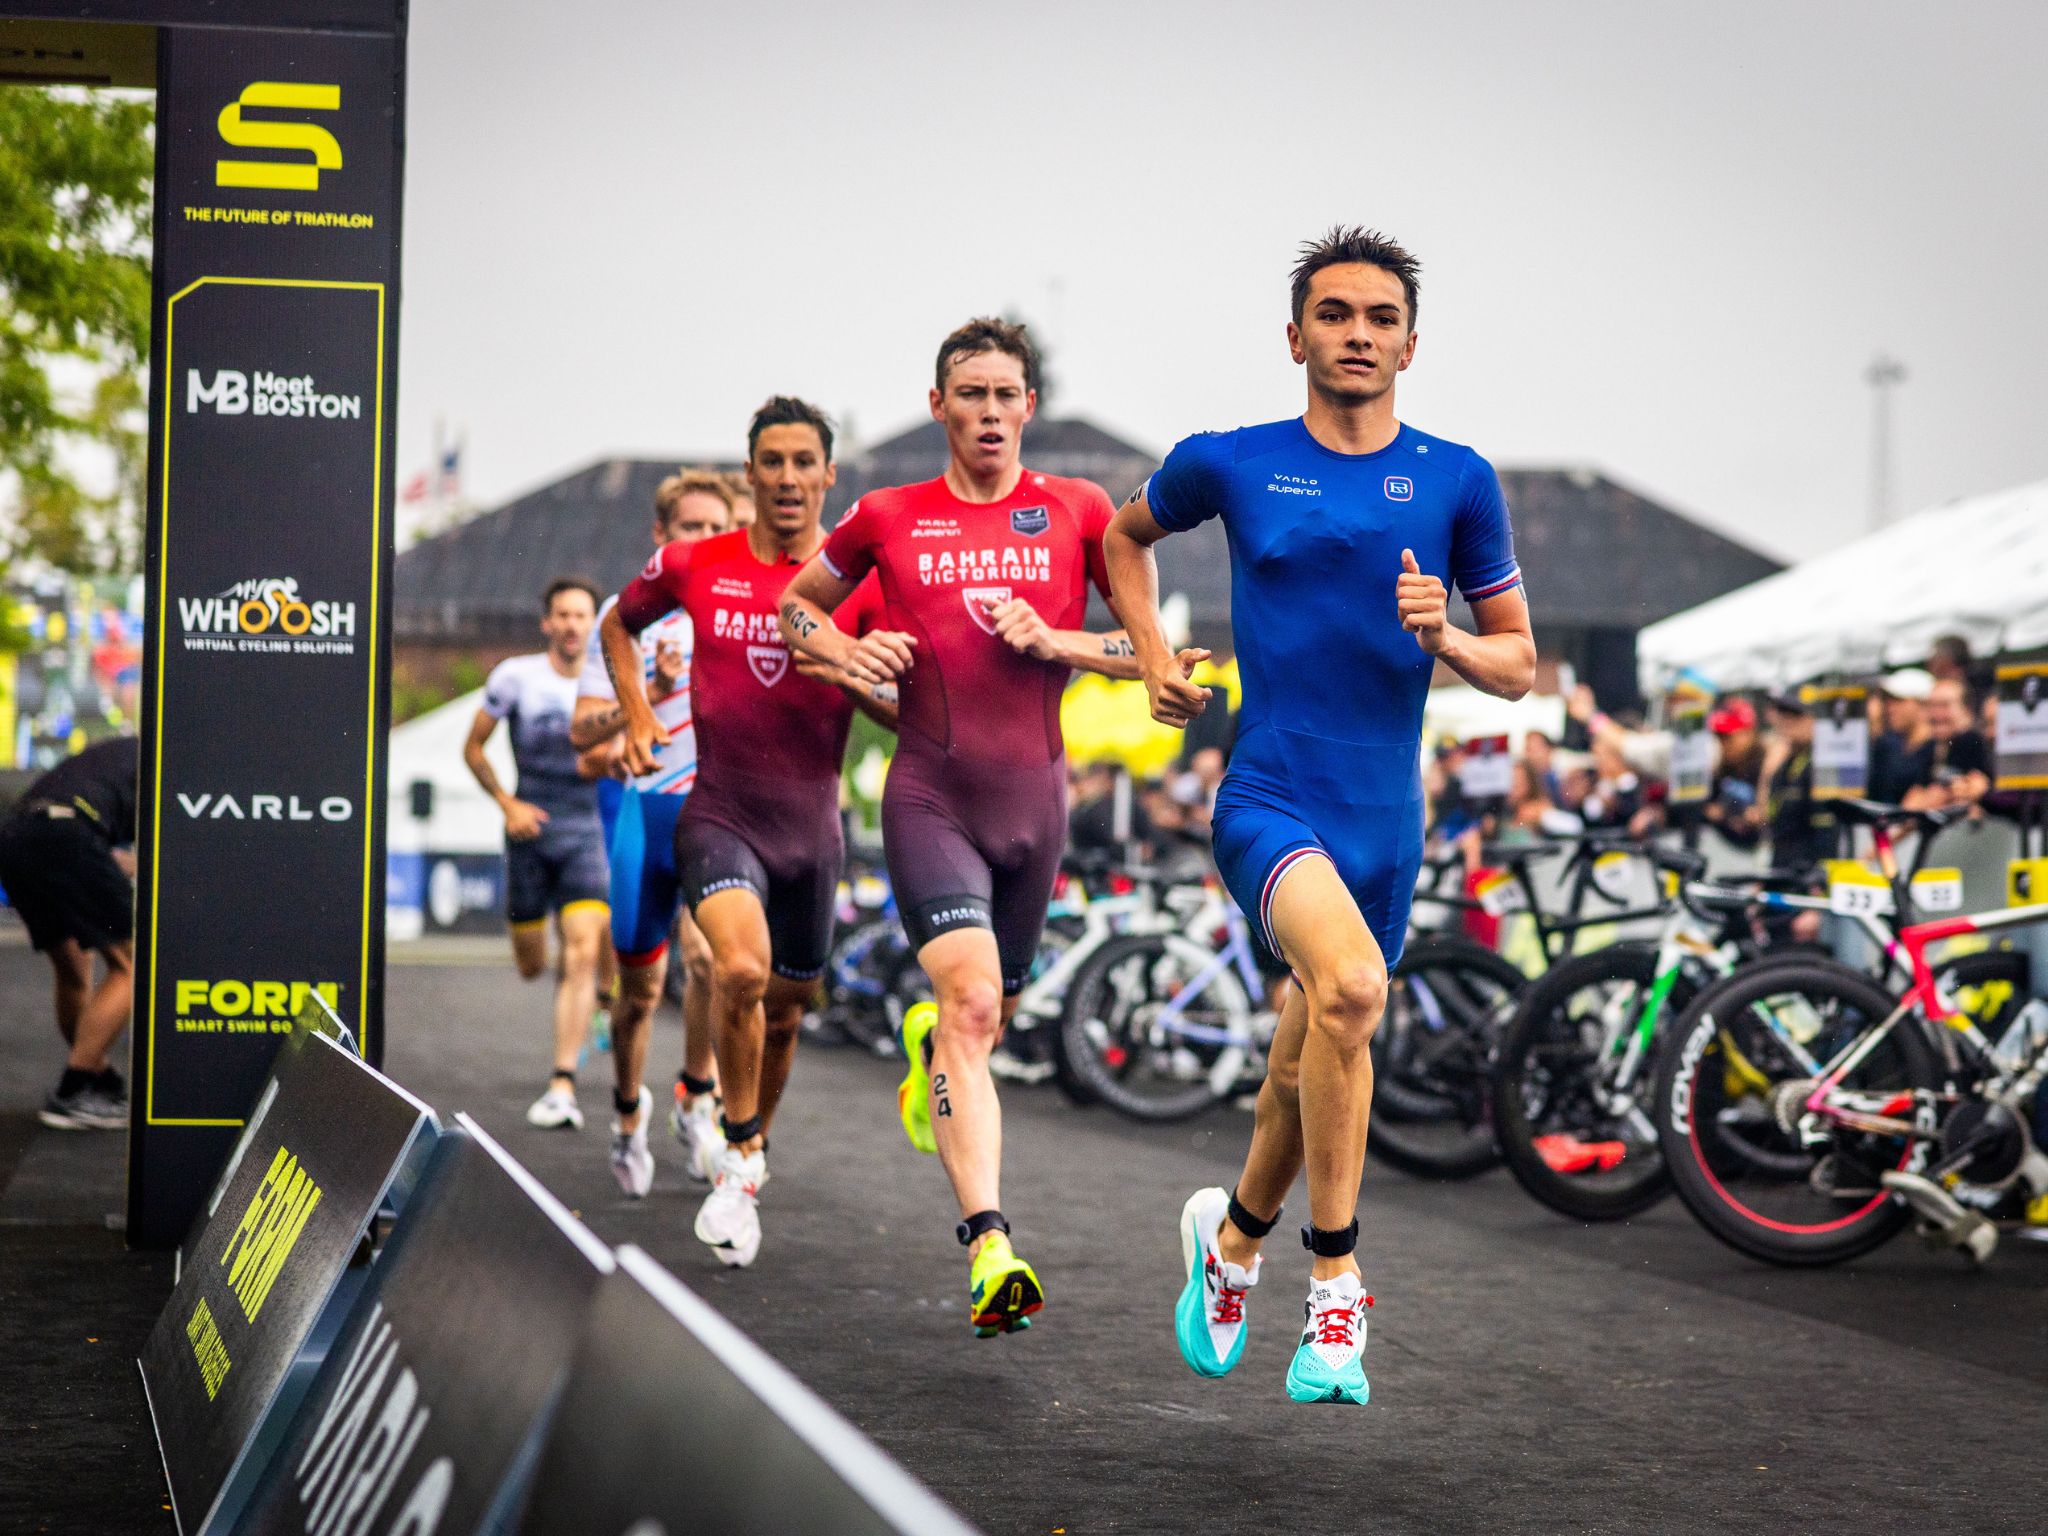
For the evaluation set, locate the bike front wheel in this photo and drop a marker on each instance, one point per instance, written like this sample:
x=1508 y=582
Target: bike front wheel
x=1156 y=1028
x=1761 y=1170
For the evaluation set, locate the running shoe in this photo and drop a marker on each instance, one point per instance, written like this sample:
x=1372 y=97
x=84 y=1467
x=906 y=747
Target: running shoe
x=1002 y=1292
x=1209 y=1319
x=556 y=1109
x=694 y=1123
x=1329 y=1365
x=601 y=1030
x=914 y=1095
x=632 y=1163
x=730 y=1218
x=89 y=1107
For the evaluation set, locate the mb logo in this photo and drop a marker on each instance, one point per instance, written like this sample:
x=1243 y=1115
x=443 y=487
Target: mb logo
x=279 y=175
x=1400 y=488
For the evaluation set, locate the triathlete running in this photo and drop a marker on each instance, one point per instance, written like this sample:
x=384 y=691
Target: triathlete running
x=984 y=573
x=554 y=841
x=1345 y=527
x=640 y=812
x=759 y=845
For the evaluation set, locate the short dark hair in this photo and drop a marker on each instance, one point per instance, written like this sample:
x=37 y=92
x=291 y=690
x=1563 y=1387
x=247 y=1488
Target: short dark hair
x=563 y=584
x=788 y=411
x=985 y=333
x=1349 y=243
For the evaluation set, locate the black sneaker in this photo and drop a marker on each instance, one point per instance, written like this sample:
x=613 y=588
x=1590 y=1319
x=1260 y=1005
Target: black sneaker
x=90 y=1108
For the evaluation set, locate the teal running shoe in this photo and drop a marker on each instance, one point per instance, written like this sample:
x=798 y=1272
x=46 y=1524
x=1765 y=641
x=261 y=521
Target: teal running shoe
x=1209 y=1318
x=1329 y=1367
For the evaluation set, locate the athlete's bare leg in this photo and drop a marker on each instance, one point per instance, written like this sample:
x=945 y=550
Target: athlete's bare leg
x=782 y=1011
x=1274 y=1161
x=73 y=965
x=1317 y=1114
x=699 y=1042
x=530 y=948
x=632 y=1023
x=584 y=927
x=105 y=1013
x=736 y=928
x=967 y=1118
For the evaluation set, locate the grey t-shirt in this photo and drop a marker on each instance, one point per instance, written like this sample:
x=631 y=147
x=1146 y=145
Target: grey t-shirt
x=537 y=702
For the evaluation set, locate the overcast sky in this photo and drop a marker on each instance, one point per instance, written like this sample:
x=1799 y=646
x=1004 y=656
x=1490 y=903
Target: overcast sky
x=1662 y=240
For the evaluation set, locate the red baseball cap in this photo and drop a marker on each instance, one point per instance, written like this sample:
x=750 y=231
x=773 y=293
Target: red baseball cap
x=1735 y=715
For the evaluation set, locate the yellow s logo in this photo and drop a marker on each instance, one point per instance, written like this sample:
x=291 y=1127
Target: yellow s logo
x=284 y=175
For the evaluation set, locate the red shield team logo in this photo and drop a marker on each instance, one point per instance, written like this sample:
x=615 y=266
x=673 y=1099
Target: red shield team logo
x=978 y=600
x=768 y=662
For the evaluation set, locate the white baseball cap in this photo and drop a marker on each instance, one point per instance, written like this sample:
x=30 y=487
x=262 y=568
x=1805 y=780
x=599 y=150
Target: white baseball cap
x=1909 y=683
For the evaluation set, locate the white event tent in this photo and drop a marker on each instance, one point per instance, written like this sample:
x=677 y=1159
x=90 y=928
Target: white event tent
x=1976 y=567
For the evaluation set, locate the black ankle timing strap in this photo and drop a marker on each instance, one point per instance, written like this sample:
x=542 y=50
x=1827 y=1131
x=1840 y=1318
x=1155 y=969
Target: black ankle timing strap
x=624 y=1105
x=737 y=1131
x=978 y=1223
x=1247 y=1223
x=695 y=1086
x=1330 y=1245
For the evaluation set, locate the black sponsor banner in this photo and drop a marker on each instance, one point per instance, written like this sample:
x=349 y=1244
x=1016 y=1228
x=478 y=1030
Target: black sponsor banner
x=434 y=1395
x=328 y=1141
x=673 y=1421
x=261 y=835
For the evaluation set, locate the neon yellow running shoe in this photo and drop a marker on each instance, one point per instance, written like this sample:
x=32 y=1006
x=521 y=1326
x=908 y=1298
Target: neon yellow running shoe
x=1002 y=1292
x=914 y=1095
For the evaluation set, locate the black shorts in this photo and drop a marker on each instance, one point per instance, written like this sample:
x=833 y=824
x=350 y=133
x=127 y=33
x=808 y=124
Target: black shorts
x=974 y=845
x=798 y=892
x=60 y=875
x=559 y=869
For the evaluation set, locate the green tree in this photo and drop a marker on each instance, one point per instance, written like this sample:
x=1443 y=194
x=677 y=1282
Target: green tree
x=76 y=173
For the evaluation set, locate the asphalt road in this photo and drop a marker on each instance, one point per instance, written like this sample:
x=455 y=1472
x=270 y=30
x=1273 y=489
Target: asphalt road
x=1528 y=1375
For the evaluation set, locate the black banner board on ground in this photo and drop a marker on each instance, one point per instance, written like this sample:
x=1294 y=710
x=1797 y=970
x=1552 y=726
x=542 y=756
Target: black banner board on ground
x=261 y=835
x=432 y=1401
x=327 y=1143
x=673 y=1421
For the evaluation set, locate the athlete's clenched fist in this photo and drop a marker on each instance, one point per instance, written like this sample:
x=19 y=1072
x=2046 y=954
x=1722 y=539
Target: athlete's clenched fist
x=1175 y=700
x=1421 y=601
x=1019 y=625
x=880 y=656
x=641 y=737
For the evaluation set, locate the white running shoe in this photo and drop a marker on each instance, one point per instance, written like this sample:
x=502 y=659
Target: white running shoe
x=730 y=1220
x=632 y=1163
x=556 y=1109
x=697 y=1128
x=1329 y=1363
x=1208 y=1319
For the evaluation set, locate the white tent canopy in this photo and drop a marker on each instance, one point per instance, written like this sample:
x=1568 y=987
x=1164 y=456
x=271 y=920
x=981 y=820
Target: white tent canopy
x=1976 y=568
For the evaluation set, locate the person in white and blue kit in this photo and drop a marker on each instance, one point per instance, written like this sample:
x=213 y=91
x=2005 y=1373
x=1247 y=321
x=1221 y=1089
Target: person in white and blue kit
x=1347 y=528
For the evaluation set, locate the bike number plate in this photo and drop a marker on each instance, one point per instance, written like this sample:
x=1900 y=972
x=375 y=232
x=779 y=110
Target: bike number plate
x=1938 y=890
x=1857 y=891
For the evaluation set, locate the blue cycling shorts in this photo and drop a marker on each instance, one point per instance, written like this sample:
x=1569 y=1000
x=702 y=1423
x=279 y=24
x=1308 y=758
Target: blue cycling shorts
x=646 y=892
x=1365 y=817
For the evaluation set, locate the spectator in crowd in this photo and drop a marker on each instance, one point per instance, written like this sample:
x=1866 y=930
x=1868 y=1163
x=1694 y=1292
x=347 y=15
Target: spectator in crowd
x=1732 y=808
x=1198 y=780
x=1451 y=813
x=1531 y=806
x=1101 y=798
x=1954 y=765
x=66 y=864
x=1901 y=734
x=1617 y=793
x=1175 y=842
x=1802 y=829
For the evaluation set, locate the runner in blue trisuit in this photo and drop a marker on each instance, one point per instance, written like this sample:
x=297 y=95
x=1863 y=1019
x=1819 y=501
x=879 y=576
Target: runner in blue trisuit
x=1345 y=528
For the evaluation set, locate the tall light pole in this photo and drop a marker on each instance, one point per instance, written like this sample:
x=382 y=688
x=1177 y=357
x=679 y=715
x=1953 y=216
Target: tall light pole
x=1883 y=374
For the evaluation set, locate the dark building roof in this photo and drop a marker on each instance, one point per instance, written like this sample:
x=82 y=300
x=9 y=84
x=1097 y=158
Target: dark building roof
x=1594 y=554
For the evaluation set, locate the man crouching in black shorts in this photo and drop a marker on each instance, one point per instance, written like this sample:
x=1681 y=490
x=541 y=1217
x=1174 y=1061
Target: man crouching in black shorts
x=65 y=865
